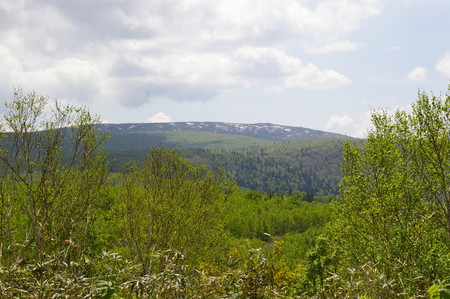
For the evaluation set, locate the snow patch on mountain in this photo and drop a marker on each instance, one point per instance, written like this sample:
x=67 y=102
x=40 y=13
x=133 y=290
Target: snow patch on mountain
x=265 y=131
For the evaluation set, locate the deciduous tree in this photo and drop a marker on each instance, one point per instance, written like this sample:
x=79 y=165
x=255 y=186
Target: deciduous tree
x=51 y=172
x=393 y=213
x=170 y=204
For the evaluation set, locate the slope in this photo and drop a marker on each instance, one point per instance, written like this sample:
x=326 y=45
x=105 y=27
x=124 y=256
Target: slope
x=264 y=131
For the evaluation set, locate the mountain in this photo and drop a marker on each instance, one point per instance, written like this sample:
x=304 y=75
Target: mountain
x=265 y=131
x=264 y=157
x=135 y=141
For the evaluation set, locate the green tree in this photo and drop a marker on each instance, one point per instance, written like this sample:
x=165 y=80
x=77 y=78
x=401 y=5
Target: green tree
x=168 y=204
x=51 y=172
x=322 y=260
x=393 y=213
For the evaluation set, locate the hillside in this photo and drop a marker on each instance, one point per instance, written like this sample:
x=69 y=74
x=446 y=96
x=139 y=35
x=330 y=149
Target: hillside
x=138 y=141
x=311 y=166
x=281 y=159
x=264 y=131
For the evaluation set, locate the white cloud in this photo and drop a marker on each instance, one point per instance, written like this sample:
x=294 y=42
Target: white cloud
x=356 y=126
x=190 y=76
x=274 y=64
x=338 y=122
x=69 y=78
x=443 y=65
x=339 y=46
x=418 y=74
x=10 y=66
x=311 y=77
x=159 y=117
x=178 y=75
x=332 y=19
x=359 y=124
x=185 y=50
x=11 y=5
x=260 y=20
x=213 y=68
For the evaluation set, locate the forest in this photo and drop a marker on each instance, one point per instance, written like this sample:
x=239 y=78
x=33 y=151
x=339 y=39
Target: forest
x=312 y=166
x=173 y=224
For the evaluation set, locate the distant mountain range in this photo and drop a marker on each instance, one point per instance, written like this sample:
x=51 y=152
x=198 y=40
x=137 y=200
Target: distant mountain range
x=265 y=131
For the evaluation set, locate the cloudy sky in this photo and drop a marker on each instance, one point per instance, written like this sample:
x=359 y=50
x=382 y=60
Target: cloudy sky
x=321 y=64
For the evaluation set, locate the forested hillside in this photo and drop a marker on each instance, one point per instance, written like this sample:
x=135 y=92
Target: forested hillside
x=311 y=166
x=307 y=165
x=144 y=141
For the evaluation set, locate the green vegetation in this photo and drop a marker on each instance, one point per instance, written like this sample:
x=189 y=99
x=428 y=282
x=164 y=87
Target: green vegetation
x=44 y=200
x=392 y=222
x=169 y=227
x=168 y=203
x=307 y=165
x=144 y=141
x=311 y=166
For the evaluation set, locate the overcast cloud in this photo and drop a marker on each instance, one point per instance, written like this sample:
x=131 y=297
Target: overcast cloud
x=167 y=57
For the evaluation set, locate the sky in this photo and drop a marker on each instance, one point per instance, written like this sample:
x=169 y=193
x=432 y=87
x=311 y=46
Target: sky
x=319 y=64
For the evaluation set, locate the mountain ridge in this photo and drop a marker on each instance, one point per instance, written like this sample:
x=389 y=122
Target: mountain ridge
x=267 y=131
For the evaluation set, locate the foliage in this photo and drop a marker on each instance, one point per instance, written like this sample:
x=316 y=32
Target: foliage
x=249 y=274
x=440 y=290
x=170 y=204
x=322 y=260
x=291 y=218
x=176 y=230
x=161 y=229
x=311 y=166
x=392 y=221
x=47 y=200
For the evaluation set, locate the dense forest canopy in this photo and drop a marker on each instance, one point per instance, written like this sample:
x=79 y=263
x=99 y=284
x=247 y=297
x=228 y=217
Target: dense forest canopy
x=169 y=227
x=310 y=165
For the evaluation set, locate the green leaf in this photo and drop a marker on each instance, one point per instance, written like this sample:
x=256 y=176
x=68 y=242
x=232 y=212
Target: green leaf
x=444 y=293
x=107 y=293
x=433 y=291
